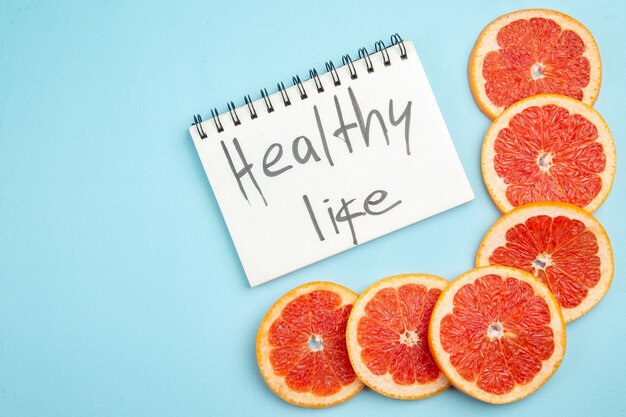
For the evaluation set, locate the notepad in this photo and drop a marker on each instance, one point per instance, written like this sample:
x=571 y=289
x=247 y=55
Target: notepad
x=331 y=162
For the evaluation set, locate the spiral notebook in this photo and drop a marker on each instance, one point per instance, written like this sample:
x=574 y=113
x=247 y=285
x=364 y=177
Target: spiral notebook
x=331 y=162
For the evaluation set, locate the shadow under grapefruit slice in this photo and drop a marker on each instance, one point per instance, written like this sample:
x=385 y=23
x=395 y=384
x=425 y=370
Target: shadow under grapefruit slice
x=548 y=147
x=497 y=333
x=561 y=244
x=387 y=336
x=530 y=52
x=301 y=346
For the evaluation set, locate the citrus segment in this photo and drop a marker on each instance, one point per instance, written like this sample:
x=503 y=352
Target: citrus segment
x=497 y=333
x=559 y=243
x=301 y=346
x=548 y=148
x=387 y=336
x=530 y=52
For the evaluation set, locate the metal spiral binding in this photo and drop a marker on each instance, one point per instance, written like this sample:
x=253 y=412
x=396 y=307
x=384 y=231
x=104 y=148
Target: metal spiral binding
x=283 y=93
x=380 y=47
x=216 y=119
x=268 y=102
x=346 y=60
x=330 y=67
x=397 y=40
x=250 y=105
x=298 y=82
x=233 y=113
x=368 y=62
x=197 y=122
x=316 y=79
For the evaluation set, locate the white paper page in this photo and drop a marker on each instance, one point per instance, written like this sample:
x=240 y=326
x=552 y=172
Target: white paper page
x=283 y=222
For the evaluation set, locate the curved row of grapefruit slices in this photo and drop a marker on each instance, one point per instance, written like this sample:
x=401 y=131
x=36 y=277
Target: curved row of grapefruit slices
x=536 y=73
x=496 y=332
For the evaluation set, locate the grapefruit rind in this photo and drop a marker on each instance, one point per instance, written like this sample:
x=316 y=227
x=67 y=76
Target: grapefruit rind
x=487 y=41
x=384 y=384
x=444 y=306
x=263 y=349
x=496 y=237
x=496 y=185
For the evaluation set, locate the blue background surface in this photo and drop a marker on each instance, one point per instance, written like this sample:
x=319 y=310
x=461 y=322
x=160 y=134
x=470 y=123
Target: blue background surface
x=120 y=290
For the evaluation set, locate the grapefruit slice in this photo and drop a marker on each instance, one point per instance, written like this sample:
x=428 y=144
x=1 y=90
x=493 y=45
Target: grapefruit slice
x=387 y=337
x=497 y=333
x=548 y=147
x=530 y=52
x=301 y=346
x=560 y=243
